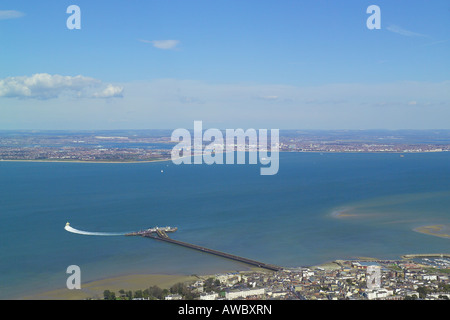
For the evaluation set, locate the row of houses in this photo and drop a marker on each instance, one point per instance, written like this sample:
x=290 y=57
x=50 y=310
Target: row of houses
x=386 y=280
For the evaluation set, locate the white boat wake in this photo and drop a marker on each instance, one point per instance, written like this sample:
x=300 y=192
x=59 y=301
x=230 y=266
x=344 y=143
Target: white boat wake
x=88 y=233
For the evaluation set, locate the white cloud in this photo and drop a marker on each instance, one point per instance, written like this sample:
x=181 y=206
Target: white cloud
x=268 y=98
x=163 y=44
x=10 y=14
x=47 y=86
x=172 y=103
x=404 y=32
x=109 y=92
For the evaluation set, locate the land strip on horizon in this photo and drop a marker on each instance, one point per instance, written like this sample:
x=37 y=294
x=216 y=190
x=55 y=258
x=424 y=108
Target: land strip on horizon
x=125 y=146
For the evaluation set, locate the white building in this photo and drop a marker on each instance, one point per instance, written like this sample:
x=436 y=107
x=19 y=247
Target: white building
x=174 y=297
x=276 y=294
x=209 y=296
x=235 y=294
x=307 y=273
x=229 y=279
x=378 y=294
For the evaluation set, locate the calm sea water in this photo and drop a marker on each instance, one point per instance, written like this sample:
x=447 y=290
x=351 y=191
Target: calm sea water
x=288 y=219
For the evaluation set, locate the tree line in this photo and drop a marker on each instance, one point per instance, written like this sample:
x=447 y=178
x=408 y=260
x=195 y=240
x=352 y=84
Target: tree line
x=152 y=293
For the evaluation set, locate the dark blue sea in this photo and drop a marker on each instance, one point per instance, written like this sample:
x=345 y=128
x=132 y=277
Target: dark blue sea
x=319 y=207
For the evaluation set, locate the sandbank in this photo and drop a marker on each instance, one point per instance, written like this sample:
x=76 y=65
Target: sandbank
x=94 y=289
x=438 y=230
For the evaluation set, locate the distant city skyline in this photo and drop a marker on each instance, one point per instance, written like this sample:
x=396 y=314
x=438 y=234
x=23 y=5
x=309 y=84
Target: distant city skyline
x=231 y=64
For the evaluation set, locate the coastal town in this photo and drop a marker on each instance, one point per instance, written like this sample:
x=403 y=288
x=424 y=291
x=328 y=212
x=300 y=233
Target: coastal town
x=151 y=145
x=414 y=277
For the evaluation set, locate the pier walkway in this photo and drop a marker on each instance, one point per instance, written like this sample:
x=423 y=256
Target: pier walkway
x=162 y=236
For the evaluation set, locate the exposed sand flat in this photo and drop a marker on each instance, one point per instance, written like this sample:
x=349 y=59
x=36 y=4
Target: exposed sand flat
x=95 y=289
x=342 y=213
x=438 y=230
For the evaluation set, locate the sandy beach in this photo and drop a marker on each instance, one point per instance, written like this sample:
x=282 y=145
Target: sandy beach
x=94 y=289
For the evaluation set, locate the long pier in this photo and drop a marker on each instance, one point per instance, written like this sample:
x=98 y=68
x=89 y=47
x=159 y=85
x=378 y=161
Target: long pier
x=162 y=236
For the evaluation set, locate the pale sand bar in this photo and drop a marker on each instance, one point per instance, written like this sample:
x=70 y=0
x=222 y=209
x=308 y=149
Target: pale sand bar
x=439 y=230
x=94 y=289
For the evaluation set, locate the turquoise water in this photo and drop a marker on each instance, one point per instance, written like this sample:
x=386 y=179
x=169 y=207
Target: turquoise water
x=288 y=219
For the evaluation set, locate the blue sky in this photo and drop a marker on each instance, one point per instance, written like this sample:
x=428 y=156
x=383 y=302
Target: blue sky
x=268 y=64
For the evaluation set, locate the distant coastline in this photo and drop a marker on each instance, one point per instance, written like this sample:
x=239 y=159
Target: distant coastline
x=132 y=146
x=83 y=161
x=168 y=159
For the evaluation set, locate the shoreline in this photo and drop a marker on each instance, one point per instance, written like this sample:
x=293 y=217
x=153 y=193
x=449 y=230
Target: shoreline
x=161 y=160
x=94 y=289
x=140 y=281
x=85 y=161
